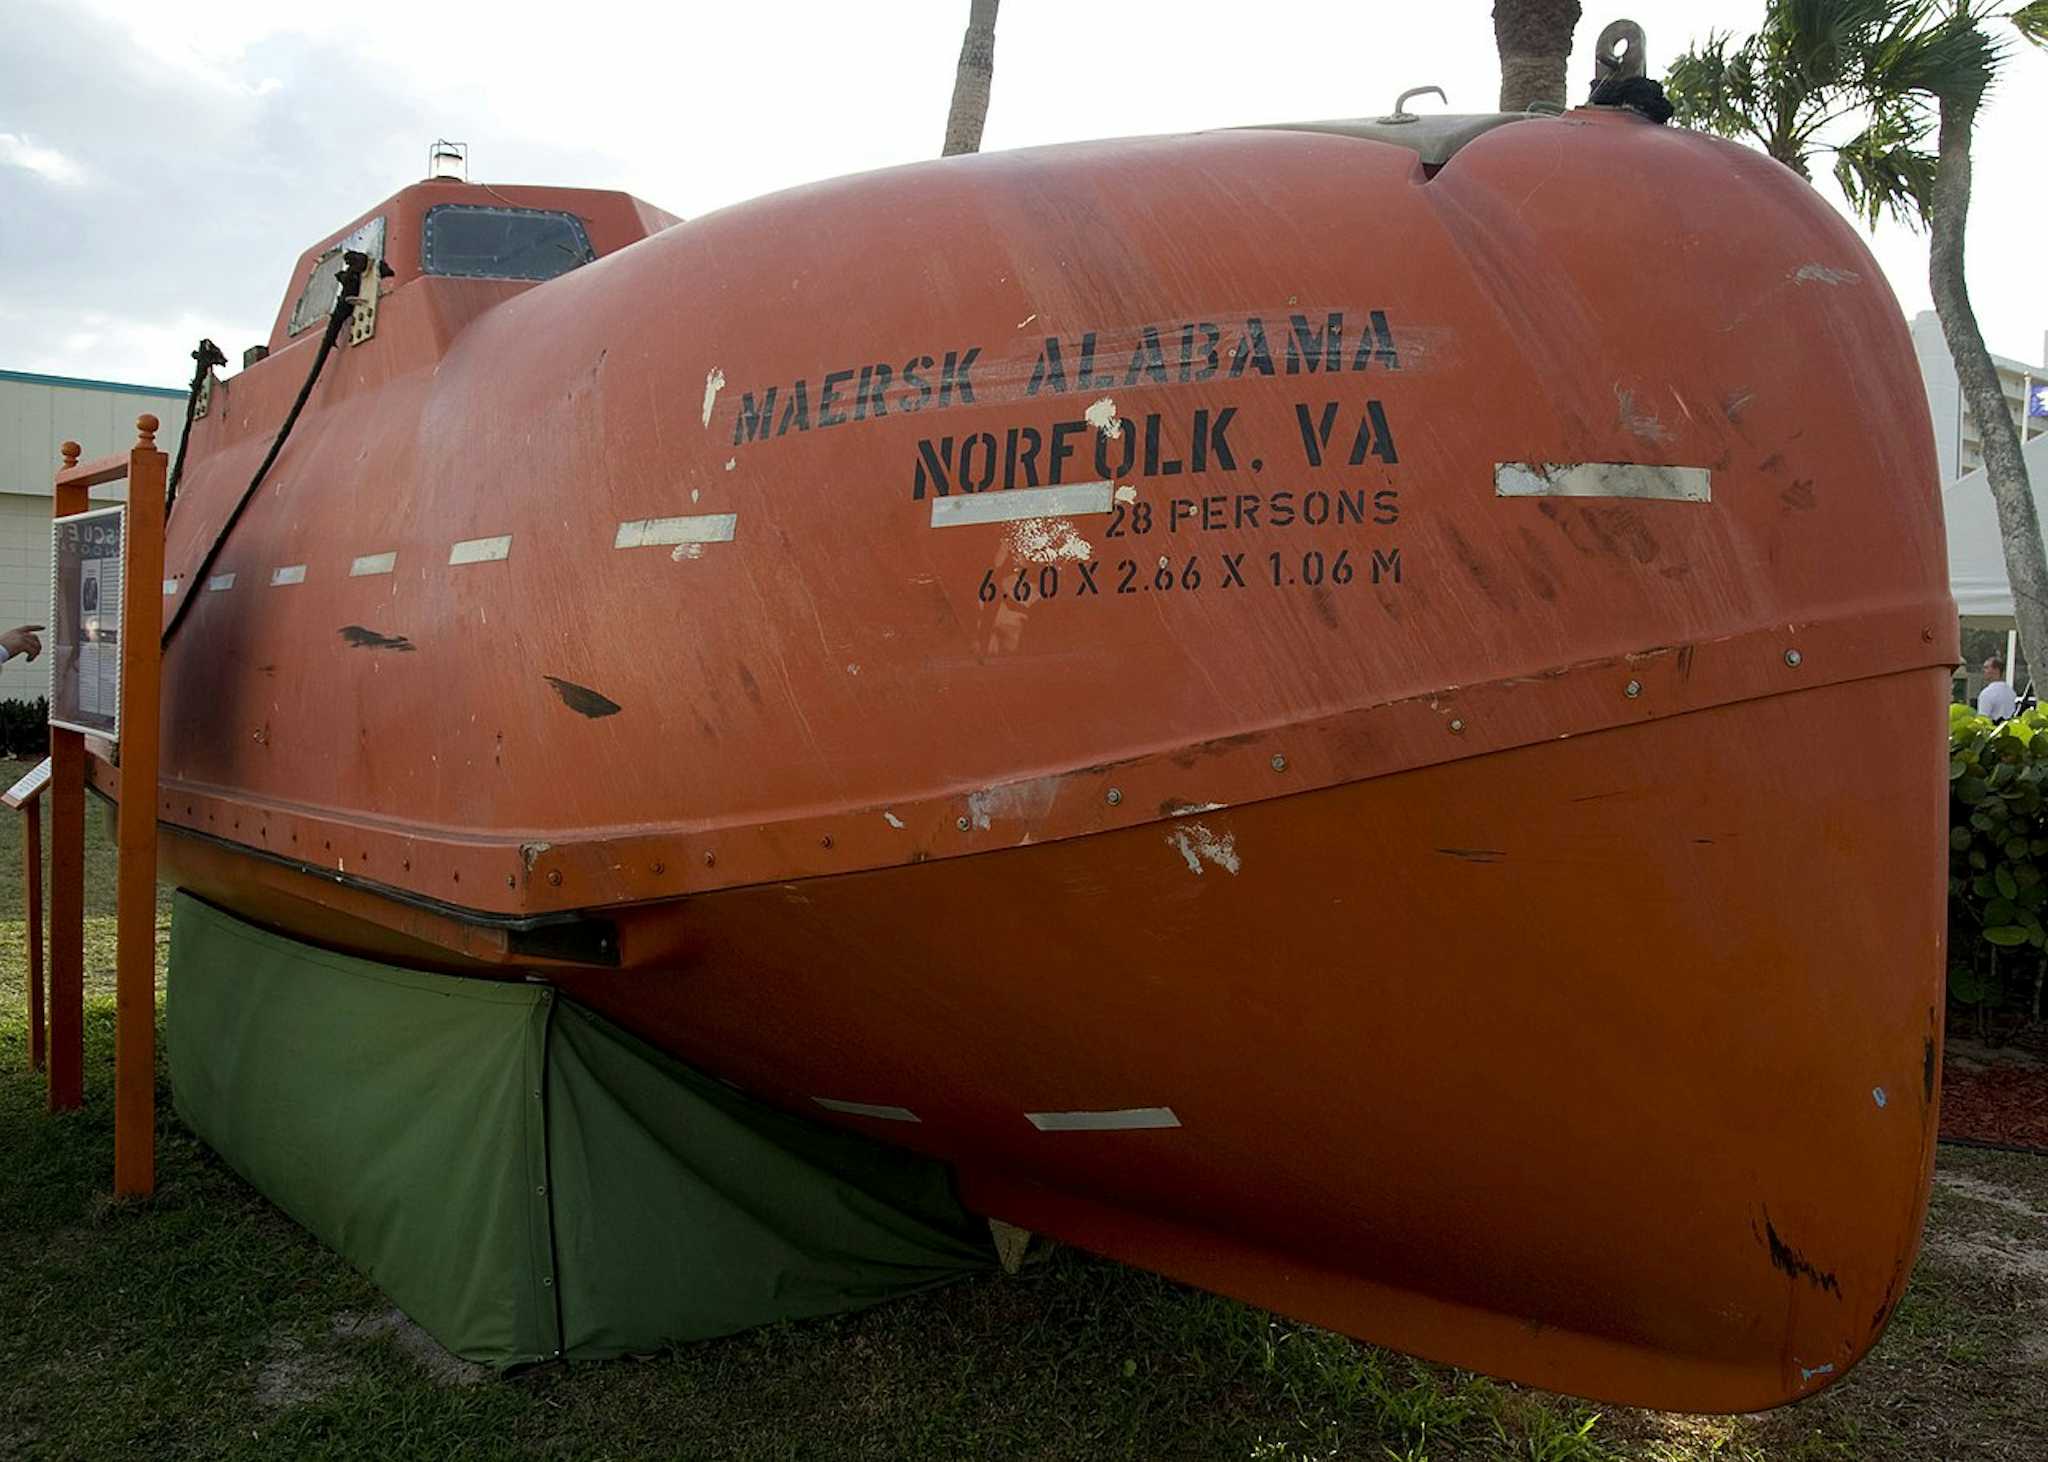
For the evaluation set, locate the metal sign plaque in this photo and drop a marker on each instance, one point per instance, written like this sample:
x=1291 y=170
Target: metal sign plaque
x=86 y=592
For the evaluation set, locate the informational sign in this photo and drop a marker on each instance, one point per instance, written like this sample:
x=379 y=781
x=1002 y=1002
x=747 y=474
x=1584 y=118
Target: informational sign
x=29 y=787
x=86 y=591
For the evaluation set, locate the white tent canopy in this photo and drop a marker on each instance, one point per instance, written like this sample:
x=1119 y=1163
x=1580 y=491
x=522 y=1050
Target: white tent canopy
x=1976 y=555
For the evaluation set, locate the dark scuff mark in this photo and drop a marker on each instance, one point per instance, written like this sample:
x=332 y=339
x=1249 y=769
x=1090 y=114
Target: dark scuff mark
x=1468 y=559
x=1798 y=498
x=360 y=638
x=1796 y=1264
x=1603 y=796
x=1475 y=855
x=1703 y=841
x=1771 y=463
x=1736 y=403
x=1927 y=1069
x=1325 y=609
x=582 y=699
x=1685 y=662
x=266 y=670
x=747 y=684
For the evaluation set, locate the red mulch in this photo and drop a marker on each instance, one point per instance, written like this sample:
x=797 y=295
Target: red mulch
x=1995 y=1093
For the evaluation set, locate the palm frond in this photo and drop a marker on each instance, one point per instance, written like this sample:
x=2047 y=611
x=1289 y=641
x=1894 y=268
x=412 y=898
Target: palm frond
x=1884 y=171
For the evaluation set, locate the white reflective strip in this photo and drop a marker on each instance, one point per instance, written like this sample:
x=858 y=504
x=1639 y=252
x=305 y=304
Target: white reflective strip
x=219 y=582
x=291 y=573
x=1128 y=1119
x=701 y=528
x=865 y=1109
x=170 y=586
x=1603 y=479
x=373 y=563
x=481 y=550
x=1021 y=502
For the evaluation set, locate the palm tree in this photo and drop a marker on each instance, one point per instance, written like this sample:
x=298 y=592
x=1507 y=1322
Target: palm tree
x=971 y=81
x=1901 y=69
x=1534 y=38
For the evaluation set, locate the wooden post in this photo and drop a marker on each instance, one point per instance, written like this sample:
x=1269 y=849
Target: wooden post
x=32 y=858
x=67 y=875
x=142 y=621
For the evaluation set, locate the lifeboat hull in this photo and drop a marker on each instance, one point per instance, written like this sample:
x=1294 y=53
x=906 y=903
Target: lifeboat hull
x=1432 y=821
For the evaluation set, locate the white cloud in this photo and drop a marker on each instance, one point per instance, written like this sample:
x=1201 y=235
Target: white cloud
x=45 y=162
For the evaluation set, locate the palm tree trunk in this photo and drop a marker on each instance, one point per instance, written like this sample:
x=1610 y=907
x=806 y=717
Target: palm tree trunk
x=2019 y=525
x=971 y=81
x=1534 y=38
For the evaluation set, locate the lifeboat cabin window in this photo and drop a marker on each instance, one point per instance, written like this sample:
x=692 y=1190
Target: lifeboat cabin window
x=317 y=303
x=477 y=242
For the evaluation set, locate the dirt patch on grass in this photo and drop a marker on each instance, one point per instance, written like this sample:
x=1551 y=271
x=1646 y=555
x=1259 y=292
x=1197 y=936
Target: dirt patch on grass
x=293 y=1375
x=442 y=1367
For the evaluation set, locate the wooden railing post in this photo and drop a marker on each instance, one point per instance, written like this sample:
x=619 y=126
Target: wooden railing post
x=67 y=874
x=32 y=917
x=142 y=621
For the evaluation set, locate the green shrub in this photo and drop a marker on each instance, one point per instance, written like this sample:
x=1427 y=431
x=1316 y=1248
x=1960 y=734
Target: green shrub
x=1998 y=858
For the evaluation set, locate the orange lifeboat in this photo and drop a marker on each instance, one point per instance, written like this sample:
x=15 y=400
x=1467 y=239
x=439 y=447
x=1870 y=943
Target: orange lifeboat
x=1350 y=724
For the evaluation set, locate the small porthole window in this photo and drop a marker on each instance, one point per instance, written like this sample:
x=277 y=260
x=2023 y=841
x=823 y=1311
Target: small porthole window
x=316 y=303
x=476 y=242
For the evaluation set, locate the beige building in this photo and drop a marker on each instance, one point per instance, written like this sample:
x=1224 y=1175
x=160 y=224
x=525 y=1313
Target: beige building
x=1956 y=440
x=37 y=415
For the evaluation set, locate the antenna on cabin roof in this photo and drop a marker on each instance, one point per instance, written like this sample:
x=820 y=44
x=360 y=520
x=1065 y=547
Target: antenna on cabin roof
x=447 y=159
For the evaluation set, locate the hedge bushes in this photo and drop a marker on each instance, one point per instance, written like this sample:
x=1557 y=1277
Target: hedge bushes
x=25 y=728
x=1998 y=859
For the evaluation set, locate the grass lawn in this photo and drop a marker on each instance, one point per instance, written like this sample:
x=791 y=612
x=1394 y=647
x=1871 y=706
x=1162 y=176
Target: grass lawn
x=205 y=1324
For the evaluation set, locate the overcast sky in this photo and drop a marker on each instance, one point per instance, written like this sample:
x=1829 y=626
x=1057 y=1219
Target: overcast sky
x=162 y=166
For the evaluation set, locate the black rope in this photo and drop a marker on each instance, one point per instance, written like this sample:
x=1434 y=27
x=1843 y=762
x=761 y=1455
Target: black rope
x=1638 y=93
x=349 y=281
x=208 y=356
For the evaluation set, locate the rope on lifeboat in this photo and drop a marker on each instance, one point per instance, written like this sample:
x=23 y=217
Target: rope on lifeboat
x=347 y=283
x=208 y=355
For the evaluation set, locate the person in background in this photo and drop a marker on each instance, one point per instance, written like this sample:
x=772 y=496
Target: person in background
x=1996 y=699
x=22 y=641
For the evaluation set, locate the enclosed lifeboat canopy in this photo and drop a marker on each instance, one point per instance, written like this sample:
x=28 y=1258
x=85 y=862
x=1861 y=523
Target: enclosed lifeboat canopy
x=1354 y=726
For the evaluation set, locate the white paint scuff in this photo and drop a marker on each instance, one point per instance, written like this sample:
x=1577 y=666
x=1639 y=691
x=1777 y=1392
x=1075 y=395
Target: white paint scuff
x=1603 y=479
x=867 y=1109
x=1127 y=493
x=893 y=820
x=731 y=462
x=714 y=382
x=1049 y=540
x=1126 y=1119
x=1198 y=845
x=1017 y=503
x=696 y=528
x=1102 y=416
x=1822 y=274
x=1026 y=800
x=481 y=550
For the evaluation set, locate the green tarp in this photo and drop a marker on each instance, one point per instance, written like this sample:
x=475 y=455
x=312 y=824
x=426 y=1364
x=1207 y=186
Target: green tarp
x=523 y=1178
